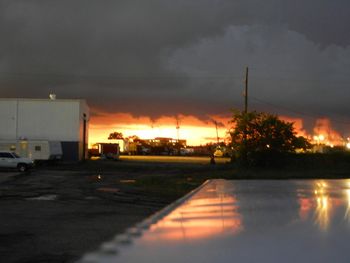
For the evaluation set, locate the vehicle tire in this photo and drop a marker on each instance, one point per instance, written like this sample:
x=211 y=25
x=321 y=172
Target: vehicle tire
x=22 y=167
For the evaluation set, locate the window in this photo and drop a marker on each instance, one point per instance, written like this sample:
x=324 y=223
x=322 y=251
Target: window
x=6 y=155
x=37 y=148
x=15 y=155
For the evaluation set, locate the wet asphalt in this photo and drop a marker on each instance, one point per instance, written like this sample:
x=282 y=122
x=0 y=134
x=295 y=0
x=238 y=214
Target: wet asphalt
x=49 y=215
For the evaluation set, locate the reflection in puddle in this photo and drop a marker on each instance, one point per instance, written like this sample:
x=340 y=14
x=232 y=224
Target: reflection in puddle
x=108 y=189
x=48 y=197
x=127 y=181
x=213 y=211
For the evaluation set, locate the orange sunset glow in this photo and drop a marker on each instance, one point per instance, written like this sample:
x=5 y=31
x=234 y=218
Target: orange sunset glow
x=191 y=128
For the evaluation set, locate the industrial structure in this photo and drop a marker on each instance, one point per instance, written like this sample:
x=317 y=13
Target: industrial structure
x=54 y=120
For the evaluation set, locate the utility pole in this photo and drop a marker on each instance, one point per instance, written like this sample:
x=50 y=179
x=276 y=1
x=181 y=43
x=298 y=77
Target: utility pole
x=246 y=92
x=217 y=133
x=178 y=129
x=84 y=137
x=245 y=152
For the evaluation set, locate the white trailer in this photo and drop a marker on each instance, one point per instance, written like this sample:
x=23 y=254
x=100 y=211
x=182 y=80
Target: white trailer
x=37 y=150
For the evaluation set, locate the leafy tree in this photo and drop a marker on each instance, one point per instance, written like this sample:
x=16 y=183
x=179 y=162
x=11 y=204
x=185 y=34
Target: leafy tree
x=115 y=136
x=134 y=138
x=263 y=139
x=302 y=143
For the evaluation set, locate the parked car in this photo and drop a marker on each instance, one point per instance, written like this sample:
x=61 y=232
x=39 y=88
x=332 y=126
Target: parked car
x=12 y=160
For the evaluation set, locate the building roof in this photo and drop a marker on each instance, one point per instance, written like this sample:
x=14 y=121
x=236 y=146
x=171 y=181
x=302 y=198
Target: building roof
x=39 y=99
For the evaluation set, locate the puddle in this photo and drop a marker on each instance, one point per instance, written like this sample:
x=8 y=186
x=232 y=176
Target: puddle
x=91 y=198
x=96 y=178
x=44 y=198
x=108 y=189
x=128 y=181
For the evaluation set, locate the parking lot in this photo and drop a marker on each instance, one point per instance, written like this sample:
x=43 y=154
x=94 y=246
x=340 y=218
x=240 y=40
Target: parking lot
x=6 y=175
x=55 y=214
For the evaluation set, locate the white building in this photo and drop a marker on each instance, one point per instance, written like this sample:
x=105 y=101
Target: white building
x=47 y=119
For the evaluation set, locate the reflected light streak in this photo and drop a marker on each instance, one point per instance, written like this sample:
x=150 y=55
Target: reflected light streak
x=319 y=202
x=305 y=207
x=347 y=212
x=323 y=203
x=201 y=217
x=322 y=212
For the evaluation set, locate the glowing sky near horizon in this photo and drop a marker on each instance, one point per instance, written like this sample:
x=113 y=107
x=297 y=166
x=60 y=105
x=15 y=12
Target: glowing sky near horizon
x=192 y=129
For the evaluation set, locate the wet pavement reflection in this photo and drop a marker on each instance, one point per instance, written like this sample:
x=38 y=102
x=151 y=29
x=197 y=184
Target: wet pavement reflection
x=247 y=221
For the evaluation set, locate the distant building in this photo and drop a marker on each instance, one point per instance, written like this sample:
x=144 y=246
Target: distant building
x=164 y=146
x=160 y=141
x=106 y=150
x=123 y=144
x=63 y=120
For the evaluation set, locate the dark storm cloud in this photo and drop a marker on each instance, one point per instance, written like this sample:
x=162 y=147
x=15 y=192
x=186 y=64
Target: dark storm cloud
x=285 y=68
x=164 y=57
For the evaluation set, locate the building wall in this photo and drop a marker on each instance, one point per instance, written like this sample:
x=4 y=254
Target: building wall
x=40 y=119
x=49 y=120
x=70 y=151
x=8 y=114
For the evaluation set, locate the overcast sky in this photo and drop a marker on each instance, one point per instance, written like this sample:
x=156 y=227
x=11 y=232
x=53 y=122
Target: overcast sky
x=165 y=57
